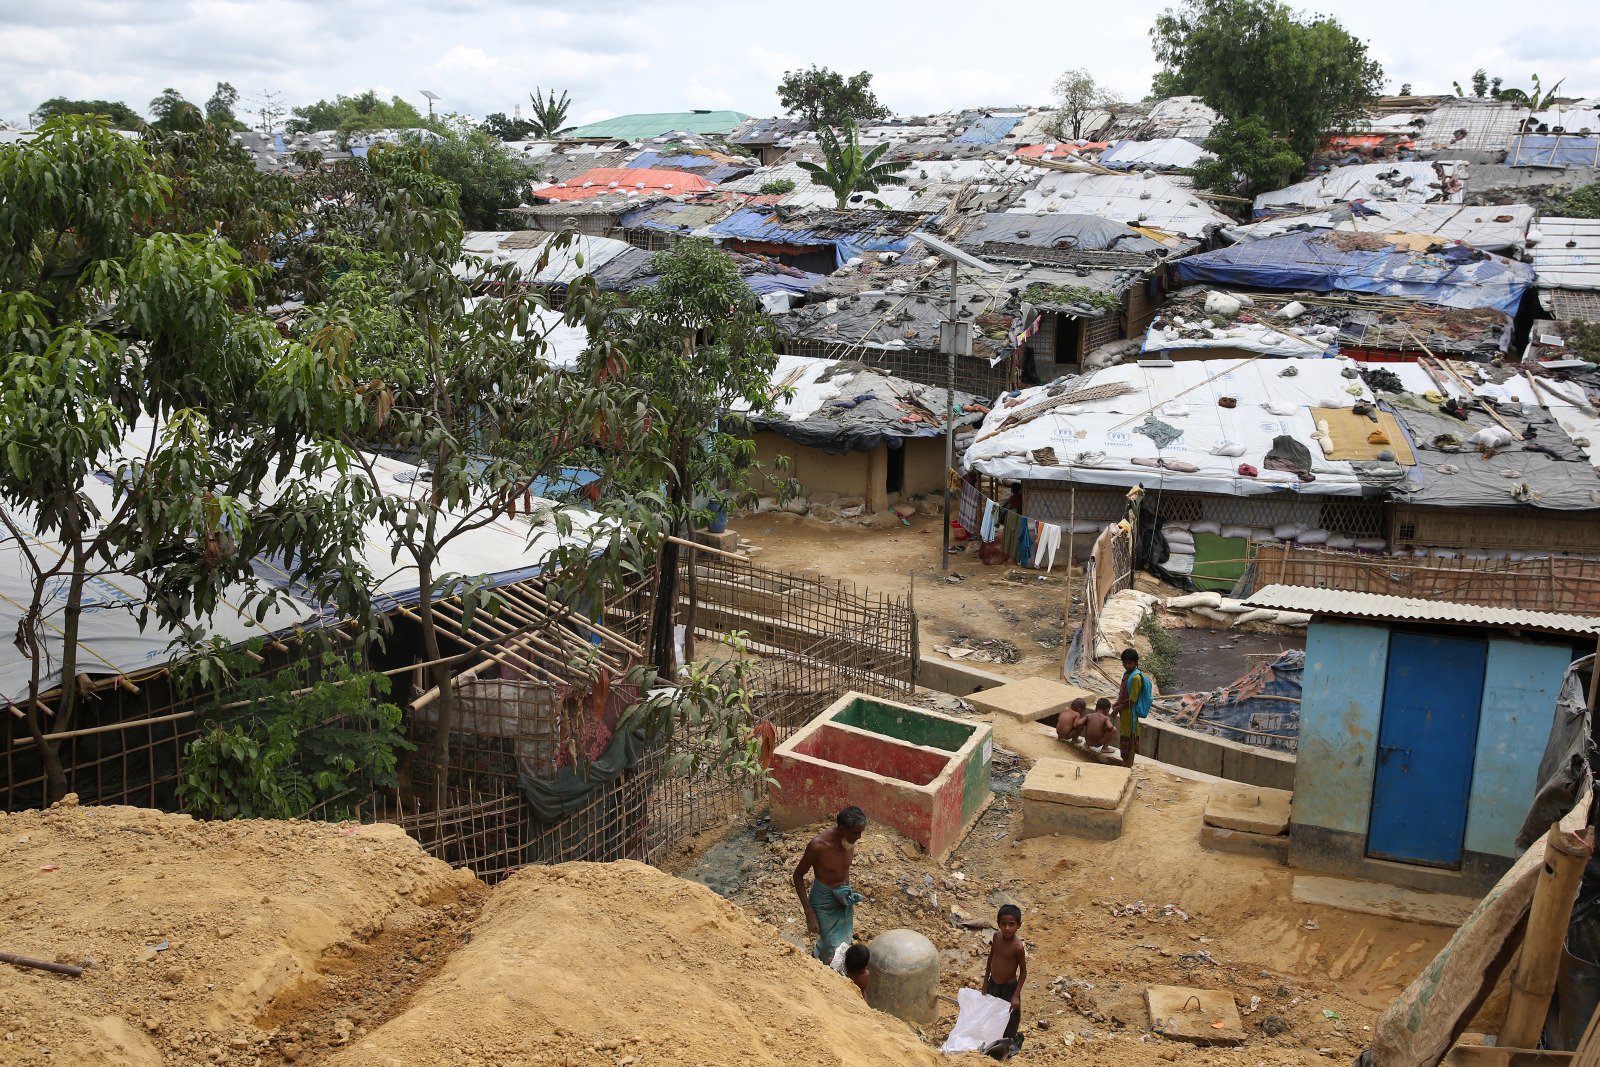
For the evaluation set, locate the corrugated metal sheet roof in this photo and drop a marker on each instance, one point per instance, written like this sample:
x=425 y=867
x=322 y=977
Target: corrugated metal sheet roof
x=657 y=123
x=1567 y=253
x=1411 y=609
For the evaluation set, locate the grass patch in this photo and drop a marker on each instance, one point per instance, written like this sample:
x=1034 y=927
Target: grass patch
x=1163 y=657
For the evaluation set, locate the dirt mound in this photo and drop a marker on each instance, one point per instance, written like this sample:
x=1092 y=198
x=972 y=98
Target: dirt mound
x=621 y=964
x=199 y=935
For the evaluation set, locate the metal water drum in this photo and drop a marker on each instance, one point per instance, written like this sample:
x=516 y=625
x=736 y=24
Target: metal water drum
x=904 y=976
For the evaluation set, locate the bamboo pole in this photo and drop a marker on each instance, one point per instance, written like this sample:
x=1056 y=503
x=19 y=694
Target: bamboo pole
x=707 y=548
x=40 y=965
x=1535 y=977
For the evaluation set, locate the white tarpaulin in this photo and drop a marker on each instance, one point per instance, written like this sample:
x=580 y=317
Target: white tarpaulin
x=1502 y=228
x=111 y=640
x=1408 y=182
x=1096 y=442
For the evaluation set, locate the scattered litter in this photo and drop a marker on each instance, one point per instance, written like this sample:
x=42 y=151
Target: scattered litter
x=1329 y=1013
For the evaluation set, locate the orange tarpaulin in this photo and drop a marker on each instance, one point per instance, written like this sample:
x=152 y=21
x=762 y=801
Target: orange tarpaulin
x=602 y=181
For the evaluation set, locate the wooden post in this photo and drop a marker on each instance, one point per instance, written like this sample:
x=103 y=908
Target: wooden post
x=1535 y=977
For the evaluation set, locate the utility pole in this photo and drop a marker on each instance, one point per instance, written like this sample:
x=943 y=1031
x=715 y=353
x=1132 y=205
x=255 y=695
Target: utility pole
x=269 y=109
x=955 y=338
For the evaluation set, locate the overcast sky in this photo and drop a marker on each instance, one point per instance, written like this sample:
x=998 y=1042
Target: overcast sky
x=663 y=55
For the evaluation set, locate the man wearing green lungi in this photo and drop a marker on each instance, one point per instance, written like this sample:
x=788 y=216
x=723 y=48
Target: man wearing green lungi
x=830 y=904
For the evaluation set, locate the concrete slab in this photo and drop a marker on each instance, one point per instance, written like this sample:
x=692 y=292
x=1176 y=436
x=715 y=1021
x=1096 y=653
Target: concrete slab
x=1041 y=818
x=1242 y=843
x=1028 y=699
x=958 y=679
x=1389 y=901
x=1069 y=750
x=1199 y=1016
x=1077 y=784
x=1253 y=809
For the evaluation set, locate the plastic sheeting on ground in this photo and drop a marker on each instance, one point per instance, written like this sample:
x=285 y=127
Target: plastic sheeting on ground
x=1261 y=708
x=1457 y=276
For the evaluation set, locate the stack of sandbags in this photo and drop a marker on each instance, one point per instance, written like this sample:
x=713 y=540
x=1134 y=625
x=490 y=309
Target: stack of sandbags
x=1121 y=616
x=1229 y=612
x=1180 y=548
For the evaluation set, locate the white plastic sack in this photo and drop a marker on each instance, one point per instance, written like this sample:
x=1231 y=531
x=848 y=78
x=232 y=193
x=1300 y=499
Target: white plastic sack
x=1179 y=564
x=1214 y=615
x=1230 y=449
x=1341 y=541
x=1491 y=437
x=1195 y=600
x=1255 y=615
x=1371 y=544
x=1221 y=304
x=1313 y=537
x=1292 y=310
x=980 y=1022
x=1235 y=531
x=1205 y=527
x=1288 y=531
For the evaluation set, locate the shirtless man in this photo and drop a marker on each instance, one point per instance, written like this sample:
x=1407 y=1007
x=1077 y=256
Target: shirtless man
x=1069 y=724
x=830 y=905
x=1099 y=729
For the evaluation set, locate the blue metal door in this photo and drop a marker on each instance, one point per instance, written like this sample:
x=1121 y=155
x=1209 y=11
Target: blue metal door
x=1426 y=739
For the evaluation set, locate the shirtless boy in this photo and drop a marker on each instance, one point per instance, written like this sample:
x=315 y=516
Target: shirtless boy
x=830 y=905
x=1099 y=729
x=1007 y=969
x=1069 y=724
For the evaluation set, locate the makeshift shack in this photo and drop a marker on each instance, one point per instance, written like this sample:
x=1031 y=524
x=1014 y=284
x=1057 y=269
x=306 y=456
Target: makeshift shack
x=1422 y=728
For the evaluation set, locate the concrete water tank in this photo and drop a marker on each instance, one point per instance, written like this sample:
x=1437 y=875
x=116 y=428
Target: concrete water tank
x=904 y=976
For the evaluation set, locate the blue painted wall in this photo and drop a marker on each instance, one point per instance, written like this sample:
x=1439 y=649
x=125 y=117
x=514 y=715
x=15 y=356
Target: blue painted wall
x=1520 y=685
x=1339 y=706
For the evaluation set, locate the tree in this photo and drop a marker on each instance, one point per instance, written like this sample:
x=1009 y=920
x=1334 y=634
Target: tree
x=355 y=114
x=120 y=115
x=473 y=396
x=1536 y=99
x=128 y=350
x=847 y=170
x=549 y=114
x=1405 y=88
x=1250 y=159
x=171 y=113
x=1300 y=77
x=220 y=108
x=1078 y=96
x=487 y=177
x=825 y=97
x=506 y=129
x=700 y=346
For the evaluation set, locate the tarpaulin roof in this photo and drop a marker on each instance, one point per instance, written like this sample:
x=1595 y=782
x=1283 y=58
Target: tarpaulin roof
x=601 y=181
x=988 y=129
x=756 y=224
x=1500 y=228
x=1100 y=440
x=1155 y=200
x=1455 y=276
x=841 y=406
x=1560 y=150
x=655 y=124
x=525 y=247
x=1174 y=153
x=1567 y=253
x=112 y=640
x=1000 y=230
x=1403 y=182
x=711 y=169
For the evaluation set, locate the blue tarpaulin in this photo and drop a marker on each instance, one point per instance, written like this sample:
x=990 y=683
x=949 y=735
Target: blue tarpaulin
x=704 y=166
x=989 y=130
x=1556 y=150
x=762 y=224
x=1454 y=276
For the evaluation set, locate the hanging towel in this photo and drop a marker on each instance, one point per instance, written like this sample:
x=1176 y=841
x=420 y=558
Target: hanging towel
x=990 y=512
x=1011 y=529
x=1025 y=540
x=967 y=514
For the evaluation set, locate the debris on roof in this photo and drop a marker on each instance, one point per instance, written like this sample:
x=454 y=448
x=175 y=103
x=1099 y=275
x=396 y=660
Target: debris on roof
x=1499 y=228
x=1409 y=183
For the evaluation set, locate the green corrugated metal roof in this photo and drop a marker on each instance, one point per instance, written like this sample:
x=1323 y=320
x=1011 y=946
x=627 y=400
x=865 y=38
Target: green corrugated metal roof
x=638 y=127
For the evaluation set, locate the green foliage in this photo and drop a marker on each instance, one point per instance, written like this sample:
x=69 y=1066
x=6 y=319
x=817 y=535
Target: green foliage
x=361 y=113
x=289 y=752
x=111 y=325
x=549 y=113
x=847 y=170
x=1582 y=339
x=1537 y=98
x=777 y=188
x=171 y=113
x=487 y=177
x=825 y=97
x=220 y=108
x=506 y=129
x=1582 y=203
x=1250 y=159
x=1078 y=96
x=1297 y=76
x=1162 y=660
x=121 y=116
x=708 y=721
x=1405 y=88
x=1077 y=295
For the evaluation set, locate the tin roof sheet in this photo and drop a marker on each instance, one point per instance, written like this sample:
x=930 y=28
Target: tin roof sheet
x=1344 y=604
